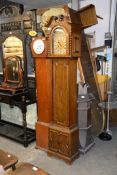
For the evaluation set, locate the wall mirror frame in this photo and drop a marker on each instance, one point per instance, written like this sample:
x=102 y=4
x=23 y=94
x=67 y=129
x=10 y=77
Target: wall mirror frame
x=14 y=54
x=17 y=26
x=13 y=73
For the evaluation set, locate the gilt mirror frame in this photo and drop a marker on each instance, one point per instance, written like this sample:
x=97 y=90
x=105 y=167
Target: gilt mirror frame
x=13 y=71
x=22 y=66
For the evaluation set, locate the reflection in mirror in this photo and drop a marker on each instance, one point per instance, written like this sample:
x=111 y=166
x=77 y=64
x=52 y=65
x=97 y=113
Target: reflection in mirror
x=13 y=46
x=13 y=64
x=12 y=69
x=1 y=64
x=13 y=74
x=1 y=69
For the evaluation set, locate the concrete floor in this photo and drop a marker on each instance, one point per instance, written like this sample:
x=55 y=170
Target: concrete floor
x=100 y=160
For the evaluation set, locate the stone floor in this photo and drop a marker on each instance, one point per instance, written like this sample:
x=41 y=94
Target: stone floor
x=100 y=160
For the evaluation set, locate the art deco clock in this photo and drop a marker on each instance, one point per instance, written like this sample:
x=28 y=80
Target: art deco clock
x=39 y=47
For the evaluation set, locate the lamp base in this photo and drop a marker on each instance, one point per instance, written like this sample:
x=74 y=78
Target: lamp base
x=105 y=136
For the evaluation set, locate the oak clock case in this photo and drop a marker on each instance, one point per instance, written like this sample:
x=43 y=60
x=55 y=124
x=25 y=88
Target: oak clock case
x=39 y=47
x=63 y=130
x=57 y=127
x=59 y=72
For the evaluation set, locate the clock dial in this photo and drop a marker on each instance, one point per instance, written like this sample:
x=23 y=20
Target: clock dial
x=59 y=42
x=38 y=46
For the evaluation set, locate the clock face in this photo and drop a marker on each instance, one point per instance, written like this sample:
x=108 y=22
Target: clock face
x=38 y=46
x=59 y=45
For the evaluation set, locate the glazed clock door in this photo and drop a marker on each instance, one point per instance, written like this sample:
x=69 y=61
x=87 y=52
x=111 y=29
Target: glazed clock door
x=60 y=42
x=61 y=92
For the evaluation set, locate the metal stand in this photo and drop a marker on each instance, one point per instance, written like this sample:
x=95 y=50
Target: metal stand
x=106 y=135
x=86 y=140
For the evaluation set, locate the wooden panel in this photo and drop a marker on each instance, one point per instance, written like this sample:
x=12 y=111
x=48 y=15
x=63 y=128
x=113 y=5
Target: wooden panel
x=90 y=77
x=88 y=68
x=88 y=16
x=53 y=140
x=7 y=160
x=27 y=169
x=65 y=92
x=64 y=144
x=73 y=93
x=74 y=138
x=44 y=89
x=113 y=117
x=61 y=92
x=42 y=131
x=76 y=44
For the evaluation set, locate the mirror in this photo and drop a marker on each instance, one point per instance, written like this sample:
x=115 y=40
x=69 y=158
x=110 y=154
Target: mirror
x=13 y=46
x=13 y=62
x=13 y=70
x=12 y=67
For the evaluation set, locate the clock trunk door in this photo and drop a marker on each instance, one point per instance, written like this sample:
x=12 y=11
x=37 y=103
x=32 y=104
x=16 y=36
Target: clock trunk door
x=61 y=92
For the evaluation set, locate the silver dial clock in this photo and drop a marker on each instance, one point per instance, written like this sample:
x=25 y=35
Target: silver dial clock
x=38 y=46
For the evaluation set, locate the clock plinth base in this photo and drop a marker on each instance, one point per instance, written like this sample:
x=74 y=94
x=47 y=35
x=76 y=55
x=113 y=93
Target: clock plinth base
x=42 y=130
x=63 y=142
x=68 y=160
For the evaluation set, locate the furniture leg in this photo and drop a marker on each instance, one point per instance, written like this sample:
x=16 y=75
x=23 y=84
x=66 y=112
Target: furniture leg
x=0 y=113
x=13 y=167
x=25 y=130
x=24 y=121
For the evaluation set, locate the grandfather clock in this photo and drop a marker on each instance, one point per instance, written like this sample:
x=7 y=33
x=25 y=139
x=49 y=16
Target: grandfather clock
x=56 y=74
x=63 y=50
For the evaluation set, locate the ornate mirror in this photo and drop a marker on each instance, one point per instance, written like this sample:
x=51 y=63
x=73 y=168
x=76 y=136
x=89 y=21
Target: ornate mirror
x=17 y=64
x=13 y=70
x=12 y=46
x=13 y=63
